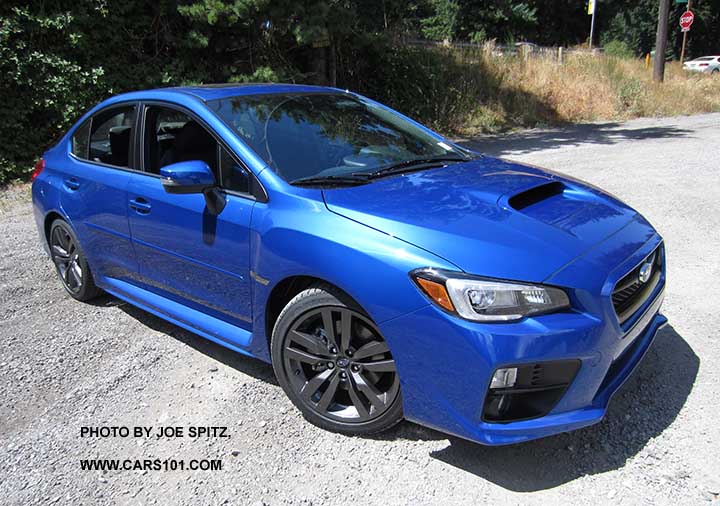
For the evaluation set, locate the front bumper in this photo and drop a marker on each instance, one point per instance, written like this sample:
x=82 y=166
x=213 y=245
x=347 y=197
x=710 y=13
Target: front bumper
x=446 y=364
x=451 y=398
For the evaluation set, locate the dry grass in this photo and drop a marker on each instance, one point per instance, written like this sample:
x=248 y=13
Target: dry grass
x=539 y=91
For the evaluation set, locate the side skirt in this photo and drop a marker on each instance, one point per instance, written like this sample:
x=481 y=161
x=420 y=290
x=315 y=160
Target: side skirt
x=210 y=328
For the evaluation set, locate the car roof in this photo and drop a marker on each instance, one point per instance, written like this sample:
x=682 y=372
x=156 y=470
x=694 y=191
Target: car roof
x=206 y=92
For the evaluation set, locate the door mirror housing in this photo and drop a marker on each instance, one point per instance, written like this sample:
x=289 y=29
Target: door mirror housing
x=193 y=176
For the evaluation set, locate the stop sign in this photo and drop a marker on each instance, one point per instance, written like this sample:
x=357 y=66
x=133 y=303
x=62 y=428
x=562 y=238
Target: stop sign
x=686 y=20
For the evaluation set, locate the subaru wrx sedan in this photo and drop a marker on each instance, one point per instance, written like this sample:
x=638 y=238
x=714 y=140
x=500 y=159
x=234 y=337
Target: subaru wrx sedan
x=385 y=271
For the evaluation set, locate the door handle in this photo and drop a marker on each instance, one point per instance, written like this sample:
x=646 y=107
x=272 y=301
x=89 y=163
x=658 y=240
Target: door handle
x=140 y=205
x=72 y=184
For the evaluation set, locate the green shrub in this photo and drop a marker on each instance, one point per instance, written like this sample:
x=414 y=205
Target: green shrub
x=42 y=90
x=630 y=94
x=434 y=86
x=619 y=49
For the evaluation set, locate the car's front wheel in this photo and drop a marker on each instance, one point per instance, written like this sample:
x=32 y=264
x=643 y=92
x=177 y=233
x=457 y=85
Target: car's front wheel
x=334 y=364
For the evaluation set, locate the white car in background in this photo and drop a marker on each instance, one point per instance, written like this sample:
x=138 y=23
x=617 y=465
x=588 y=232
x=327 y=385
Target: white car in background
x=708 y=64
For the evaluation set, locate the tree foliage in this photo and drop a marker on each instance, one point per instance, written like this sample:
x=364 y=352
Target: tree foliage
x=59 y=57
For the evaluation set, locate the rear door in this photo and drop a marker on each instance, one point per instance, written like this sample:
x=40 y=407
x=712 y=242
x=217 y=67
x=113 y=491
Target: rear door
x=94 y=190
x=186 y=253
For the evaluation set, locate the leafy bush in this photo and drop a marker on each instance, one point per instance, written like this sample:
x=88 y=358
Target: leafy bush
x=619 y=49
x=59 y=57
x=630 y=95
x=447 y=89
x=43 y=91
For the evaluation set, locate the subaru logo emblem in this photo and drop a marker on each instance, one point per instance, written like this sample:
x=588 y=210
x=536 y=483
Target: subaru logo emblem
x=645 y=272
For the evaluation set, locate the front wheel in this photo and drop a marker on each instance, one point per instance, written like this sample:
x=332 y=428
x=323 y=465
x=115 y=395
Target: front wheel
x=334 y=364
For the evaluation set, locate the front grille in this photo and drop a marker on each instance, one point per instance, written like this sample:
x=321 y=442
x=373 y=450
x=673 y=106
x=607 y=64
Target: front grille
x=631 y=292
x=623 y=298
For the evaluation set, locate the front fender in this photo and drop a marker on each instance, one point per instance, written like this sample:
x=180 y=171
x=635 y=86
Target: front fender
x=301 y=237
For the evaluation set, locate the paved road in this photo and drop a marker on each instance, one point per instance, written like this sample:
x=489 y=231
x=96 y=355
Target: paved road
x=64 y=365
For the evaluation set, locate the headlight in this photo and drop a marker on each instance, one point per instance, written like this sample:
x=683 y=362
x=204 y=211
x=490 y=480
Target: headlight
x=487 y=300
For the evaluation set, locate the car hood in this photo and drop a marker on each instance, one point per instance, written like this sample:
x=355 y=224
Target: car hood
x=489 y=216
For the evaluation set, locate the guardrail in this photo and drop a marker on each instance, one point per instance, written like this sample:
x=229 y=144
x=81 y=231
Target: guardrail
x=519 y=49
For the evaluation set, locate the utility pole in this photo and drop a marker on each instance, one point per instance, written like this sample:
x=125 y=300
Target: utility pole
x=682 y=53
x=661 y=41
x=592 y=7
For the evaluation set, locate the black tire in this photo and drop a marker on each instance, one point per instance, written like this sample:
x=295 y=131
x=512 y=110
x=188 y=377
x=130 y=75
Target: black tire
x=354 y=391
x=70 y=262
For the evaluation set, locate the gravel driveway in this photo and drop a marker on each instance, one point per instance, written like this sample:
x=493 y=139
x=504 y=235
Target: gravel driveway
x=65 y=365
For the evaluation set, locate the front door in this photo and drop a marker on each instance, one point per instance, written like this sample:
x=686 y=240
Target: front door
x=185 y=252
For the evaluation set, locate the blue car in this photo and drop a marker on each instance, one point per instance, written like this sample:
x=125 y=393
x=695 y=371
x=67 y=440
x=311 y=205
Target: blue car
x=385 y=271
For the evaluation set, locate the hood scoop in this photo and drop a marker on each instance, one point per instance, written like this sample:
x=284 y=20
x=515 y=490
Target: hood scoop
x=536 y=195
x=574 y=210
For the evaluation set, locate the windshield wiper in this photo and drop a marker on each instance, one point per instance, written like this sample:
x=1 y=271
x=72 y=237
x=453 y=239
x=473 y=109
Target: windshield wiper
x=358 y=178
x=411 y=165
x=349 y=179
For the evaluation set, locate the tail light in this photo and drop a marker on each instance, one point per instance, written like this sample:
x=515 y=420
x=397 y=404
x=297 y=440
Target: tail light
x=704 y=64
x=39 y=166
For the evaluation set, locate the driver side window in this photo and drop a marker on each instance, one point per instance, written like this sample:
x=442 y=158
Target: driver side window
x=171 y=136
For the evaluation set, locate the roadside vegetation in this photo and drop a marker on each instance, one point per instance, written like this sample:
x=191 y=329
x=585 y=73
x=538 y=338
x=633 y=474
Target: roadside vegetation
x=539 y=92
x=59 y=57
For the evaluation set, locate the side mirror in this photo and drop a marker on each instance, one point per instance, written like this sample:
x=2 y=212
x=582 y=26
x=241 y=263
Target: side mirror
x=193 y=176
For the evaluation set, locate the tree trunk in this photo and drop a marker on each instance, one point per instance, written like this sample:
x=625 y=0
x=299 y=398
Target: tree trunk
x=661 y=41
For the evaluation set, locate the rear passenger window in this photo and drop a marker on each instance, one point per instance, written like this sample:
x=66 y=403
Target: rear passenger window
x=111 y=136
x=81 y=140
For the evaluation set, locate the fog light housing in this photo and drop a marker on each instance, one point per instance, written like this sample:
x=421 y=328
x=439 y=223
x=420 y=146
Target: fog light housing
x=504 y=378
x=527 y=391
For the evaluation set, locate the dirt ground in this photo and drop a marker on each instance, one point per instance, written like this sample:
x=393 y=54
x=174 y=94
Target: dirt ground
x=65 y=365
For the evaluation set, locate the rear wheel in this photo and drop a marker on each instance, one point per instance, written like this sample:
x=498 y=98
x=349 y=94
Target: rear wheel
x=334 y=364
x=70 y=262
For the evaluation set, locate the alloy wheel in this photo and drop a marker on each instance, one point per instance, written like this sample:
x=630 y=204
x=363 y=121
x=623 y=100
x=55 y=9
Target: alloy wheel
x=66 y=256
x=340 y=366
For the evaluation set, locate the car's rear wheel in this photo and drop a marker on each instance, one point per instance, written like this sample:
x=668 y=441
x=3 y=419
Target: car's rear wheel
x=334 y=364
x=70 y=262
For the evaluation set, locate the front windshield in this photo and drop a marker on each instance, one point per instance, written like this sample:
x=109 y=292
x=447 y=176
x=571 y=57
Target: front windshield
x=302 y=136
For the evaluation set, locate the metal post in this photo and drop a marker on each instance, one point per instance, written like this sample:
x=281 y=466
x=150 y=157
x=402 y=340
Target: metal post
x=661 y=41
x=592 y=23
x=682 y=52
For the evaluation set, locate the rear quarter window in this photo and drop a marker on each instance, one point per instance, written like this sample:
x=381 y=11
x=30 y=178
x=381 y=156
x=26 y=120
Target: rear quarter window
x=81 y=140
x=111 y=136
